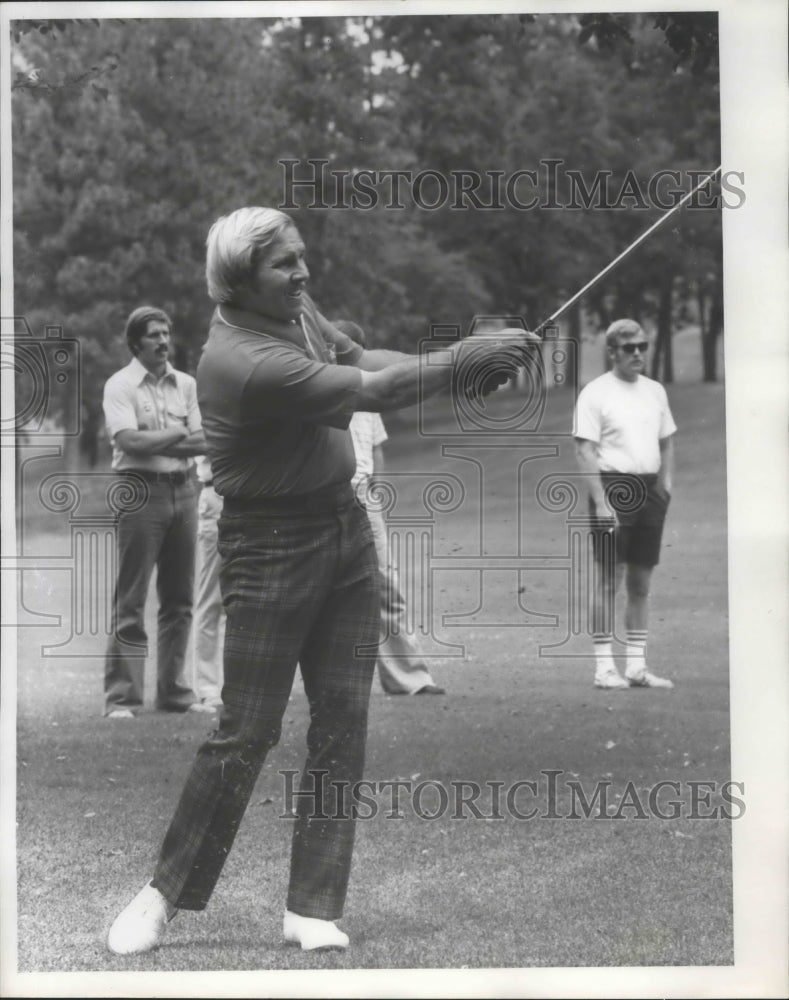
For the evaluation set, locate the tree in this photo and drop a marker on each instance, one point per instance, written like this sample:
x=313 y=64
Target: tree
x=114 y=192
x=118 y=176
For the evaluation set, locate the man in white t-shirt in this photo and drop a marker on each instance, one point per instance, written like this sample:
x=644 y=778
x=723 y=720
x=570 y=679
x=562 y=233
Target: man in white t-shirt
x=623 y=432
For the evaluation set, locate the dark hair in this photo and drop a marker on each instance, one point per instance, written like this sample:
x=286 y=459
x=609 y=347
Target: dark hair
x=137 y=324
x=352 y=330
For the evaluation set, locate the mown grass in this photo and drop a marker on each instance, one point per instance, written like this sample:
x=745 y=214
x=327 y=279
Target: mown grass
x=94 y=796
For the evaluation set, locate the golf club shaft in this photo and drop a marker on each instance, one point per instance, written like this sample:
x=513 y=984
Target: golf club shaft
x=609 y=267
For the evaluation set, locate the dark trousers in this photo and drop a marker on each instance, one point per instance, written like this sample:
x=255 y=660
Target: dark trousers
x=162 y=534
x=299 y=586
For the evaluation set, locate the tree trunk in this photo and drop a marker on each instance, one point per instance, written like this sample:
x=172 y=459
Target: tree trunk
x=89 y=435
x=597 y=305
x=701 y=300
x=664 y=357
x=709 y=342
x=572 y=366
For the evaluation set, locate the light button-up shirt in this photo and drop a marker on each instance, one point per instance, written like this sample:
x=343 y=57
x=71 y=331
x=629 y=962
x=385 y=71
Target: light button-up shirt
x=135 y=399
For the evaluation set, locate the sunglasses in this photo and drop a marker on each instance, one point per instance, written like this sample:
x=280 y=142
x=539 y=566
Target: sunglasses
x=631 y=348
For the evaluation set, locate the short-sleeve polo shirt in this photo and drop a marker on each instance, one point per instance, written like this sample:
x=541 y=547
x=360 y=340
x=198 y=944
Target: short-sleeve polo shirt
x=276 y=399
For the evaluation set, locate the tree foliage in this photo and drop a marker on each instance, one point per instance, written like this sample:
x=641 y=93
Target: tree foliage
x=131 y=137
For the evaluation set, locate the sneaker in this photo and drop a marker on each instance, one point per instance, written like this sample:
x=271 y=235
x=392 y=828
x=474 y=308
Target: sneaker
x=644 y=679
x=139 y=927
x=611 y=679
x=202 y=706
x=312 y=933
x=120 y=713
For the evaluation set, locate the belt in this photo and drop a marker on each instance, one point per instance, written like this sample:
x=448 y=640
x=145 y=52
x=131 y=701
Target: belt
x=208 y=482
x=169 y=478
x=328 y=498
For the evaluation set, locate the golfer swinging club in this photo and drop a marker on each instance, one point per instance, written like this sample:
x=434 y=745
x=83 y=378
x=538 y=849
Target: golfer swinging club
x=277 y=385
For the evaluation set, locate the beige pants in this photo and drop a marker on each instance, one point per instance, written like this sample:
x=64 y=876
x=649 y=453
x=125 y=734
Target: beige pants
x=209 y=618
x=401 y=667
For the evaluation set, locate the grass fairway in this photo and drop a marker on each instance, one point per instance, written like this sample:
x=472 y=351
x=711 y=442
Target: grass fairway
x=95 y=796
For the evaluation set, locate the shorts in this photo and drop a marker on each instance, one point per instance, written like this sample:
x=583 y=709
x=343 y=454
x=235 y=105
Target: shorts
x=641 y=507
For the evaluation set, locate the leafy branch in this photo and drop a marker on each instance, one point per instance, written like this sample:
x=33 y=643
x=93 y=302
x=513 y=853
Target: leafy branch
x=692 y=36
x=31 y=79
x=21 y=28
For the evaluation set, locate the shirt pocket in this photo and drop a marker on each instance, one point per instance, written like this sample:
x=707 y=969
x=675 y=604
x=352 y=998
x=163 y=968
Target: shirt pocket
x=176 y=414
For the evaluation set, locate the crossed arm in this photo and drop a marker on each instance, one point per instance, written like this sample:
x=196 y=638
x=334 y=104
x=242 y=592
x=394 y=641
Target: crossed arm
x=174 y=442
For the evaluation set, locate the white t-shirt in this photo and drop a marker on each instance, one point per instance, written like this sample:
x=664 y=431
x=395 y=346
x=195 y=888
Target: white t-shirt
x=626 y=420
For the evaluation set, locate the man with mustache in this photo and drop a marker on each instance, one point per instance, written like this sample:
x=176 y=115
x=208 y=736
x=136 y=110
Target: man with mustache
x=277 y=386
x=154 y=424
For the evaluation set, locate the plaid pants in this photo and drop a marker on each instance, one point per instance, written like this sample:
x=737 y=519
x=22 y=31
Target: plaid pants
x=300 y=586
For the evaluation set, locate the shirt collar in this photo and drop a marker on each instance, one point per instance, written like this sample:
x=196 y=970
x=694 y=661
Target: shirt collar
x=140 y=373
x=255 y=323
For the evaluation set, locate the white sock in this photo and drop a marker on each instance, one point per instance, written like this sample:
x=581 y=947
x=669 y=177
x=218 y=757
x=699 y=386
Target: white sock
x=635 y=652
x=603 y=653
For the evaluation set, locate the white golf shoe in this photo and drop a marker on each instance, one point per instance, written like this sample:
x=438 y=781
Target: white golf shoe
x=140 y=926
x=644 y=679
x=312 y=933
x=610 y=679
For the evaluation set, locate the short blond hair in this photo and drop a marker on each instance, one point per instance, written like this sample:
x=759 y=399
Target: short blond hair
x=233 y=248
x=622 y=328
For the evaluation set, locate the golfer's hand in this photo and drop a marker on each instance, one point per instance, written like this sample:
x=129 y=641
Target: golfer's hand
x=486 y=361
